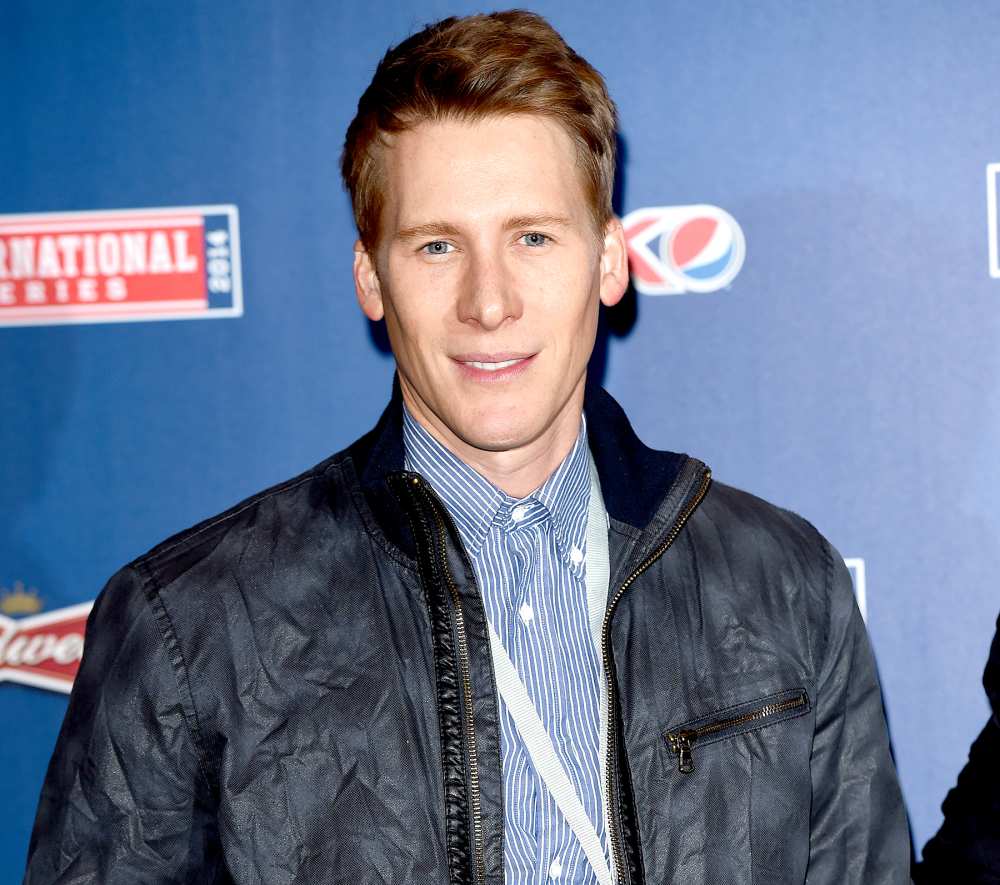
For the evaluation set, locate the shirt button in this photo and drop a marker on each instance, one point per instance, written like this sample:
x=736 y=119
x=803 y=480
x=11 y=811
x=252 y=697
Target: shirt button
x=555 y=869
x=576 y=555
x=526 y=612
x=518 y=513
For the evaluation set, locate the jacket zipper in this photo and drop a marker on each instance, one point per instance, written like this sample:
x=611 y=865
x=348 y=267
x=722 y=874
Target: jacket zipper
x=682 y=742
x=478 y=849
x=706 y=481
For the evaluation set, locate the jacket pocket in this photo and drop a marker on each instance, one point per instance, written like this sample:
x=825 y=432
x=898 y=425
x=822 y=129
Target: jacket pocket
x=683 y=739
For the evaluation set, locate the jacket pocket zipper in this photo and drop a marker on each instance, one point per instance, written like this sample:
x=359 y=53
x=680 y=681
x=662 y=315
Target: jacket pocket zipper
x=682 y=742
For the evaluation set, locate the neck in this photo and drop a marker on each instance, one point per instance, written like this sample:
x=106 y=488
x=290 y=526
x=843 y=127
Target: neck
x=518 y=470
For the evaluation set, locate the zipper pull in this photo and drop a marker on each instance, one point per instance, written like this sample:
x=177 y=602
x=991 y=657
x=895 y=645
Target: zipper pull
x=682 y=744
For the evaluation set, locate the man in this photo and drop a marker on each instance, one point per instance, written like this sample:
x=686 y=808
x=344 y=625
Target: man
x=498 y=638
x=967 y=847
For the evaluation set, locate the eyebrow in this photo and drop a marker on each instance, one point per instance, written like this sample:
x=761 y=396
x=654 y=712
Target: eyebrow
x=430 y=229
x=540 y=220
x=445 y=229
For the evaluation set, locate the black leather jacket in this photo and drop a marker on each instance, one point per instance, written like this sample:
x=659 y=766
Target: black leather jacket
x=300 y=690
x=967 y=847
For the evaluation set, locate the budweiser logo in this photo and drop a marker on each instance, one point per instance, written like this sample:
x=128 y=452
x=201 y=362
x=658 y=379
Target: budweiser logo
x=44 y=650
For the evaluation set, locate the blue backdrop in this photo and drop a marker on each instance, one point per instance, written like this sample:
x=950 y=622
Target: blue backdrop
x=849 y=370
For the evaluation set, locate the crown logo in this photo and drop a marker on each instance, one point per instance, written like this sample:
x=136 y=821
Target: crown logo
x=20 y=601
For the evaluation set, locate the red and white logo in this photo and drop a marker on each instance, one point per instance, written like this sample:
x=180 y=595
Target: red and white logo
x=120 y=265
x=676 y=249
x=43 y=650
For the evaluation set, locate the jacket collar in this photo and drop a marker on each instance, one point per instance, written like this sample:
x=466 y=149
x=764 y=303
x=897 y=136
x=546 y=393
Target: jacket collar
x=635 y=479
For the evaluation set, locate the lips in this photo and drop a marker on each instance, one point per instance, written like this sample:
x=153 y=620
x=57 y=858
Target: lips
x=493 y=365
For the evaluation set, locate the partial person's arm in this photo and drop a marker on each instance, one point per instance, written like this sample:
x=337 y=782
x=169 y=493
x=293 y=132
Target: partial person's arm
x=125 y=801
x=859 y=833
x=967 y=847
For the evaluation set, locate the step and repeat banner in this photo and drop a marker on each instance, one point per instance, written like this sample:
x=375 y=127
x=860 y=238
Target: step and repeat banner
x=810 y=198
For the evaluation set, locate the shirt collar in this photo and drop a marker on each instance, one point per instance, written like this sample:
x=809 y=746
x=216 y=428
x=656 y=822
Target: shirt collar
x=475 y=503
x=566 y=495
x=472 y=500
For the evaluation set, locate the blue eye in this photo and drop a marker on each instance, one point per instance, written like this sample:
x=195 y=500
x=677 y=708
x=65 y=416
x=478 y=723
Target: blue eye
x=438 y=247
x=535 y=239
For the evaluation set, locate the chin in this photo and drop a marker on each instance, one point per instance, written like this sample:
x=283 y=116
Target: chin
x=499 y=440
x=487 y=426
x=496 y=434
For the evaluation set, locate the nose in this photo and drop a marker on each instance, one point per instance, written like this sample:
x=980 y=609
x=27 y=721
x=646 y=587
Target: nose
x=489 y=296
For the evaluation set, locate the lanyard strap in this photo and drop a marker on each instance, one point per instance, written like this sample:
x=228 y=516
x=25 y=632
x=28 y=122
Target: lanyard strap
x=523 y=712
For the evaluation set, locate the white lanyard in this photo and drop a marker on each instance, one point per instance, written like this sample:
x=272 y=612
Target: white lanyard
x=525 y=716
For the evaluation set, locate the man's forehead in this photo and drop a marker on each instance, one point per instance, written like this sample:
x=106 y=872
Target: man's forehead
x=449 y=124
x=507 y=165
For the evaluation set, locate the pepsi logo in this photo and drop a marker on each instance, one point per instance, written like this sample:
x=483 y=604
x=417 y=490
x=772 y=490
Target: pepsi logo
x=677 y=249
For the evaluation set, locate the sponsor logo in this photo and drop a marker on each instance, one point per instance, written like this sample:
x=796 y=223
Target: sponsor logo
x=676 y=249
x=992 y=188
x=857 y=569
x=19 y=601
x=43 y=650
x=120 y=265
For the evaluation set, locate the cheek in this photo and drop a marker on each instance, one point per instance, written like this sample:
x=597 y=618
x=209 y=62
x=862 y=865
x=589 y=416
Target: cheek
x=415 y=340
x=422 y=302
x=573 y=316
x=404 y=339
x=402 y=310
x=564 y=288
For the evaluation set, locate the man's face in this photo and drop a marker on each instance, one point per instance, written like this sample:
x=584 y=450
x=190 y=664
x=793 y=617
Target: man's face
x=489 y=274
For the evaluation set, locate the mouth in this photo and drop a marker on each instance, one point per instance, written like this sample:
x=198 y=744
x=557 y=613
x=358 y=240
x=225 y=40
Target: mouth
x=493 y=366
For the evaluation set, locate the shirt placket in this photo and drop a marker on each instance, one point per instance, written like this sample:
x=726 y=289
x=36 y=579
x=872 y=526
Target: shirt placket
x=524 y=566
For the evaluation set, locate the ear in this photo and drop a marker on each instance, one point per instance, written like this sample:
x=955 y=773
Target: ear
x=614 y=264
x=366 y=284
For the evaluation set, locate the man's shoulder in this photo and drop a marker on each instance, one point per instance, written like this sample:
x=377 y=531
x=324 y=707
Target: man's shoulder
x=753 y=532
x=751 y=513
x=293 y=508
x=774 y=567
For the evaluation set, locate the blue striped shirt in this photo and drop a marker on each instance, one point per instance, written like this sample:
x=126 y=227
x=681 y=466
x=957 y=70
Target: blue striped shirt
x=529 y=557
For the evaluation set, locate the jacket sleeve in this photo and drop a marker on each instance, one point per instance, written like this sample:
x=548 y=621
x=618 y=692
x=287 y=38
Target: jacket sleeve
x=124 y=798
x=967 y=847
x=859 y=833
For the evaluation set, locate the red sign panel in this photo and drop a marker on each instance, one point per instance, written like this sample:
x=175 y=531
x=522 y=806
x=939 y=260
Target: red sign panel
x=110 y=266
x=43 y=650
